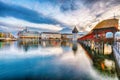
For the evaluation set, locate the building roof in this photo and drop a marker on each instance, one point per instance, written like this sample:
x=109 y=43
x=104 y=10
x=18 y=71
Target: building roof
x=107 y=24
x=75 y=30
x=66 y=34
x=104 y=24
x=25 y=31
x=50 y=33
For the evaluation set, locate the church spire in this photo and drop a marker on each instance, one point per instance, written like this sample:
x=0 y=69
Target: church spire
x=75 y=30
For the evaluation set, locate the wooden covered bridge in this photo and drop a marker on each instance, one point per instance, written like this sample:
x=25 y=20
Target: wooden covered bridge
x=99 y=31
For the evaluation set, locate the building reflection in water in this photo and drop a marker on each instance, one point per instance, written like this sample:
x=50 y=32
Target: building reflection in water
x=6 y=44
x=62 y=56
x=50 y=43
x=102 y=57
x=74 y=47
x=35 y=44
x=27 y=44
x=102 y=61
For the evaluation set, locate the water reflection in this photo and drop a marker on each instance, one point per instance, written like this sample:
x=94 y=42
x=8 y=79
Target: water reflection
x=54 y=60
x=102 y=57
x=75 y=47
x=5 y=44
x=28 y=44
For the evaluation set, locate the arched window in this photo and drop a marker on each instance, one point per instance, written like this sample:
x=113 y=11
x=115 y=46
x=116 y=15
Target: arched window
x=117 y=35
x=109 y=35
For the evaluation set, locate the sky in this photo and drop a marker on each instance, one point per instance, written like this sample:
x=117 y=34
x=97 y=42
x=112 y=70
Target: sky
x=55 y=15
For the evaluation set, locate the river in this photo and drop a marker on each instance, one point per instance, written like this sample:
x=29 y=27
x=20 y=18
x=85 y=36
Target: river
x=52 y=60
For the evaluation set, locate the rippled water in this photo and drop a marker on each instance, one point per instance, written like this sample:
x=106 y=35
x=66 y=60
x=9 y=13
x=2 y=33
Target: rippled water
x=52 y=60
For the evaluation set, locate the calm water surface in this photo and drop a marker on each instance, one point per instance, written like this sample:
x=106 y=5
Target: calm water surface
x=52 y=60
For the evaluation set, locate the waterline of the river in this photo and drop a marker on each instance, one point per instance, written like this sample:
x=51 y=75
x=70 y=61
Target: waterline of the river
x=51 y=60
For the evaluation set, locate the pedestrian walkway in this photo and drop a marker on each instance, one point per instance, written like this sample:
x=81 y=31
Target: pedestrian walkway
x=117 y=58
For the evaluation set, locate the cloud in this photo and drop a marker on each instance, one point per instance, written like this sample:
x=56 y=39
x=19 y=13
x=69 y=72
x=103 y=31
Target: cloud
x=24 y=13
x=65 y=13
x=21 y=24
x=82 y=13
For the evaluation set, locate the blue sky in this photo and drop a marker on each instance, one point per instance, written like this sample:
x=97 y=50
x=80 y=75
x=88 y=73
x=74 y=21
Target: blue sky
x=55 y=15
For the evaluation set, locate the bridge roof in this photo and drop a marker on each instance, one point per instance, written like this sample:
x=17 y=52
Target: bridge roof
x=104 y=24
x=107 y=24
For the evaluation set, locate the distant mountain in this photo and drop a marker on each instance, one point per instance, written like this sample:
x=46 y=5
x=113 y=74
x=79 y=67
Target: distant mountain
x=66 y=30
x=1 y=30
x=82 y=33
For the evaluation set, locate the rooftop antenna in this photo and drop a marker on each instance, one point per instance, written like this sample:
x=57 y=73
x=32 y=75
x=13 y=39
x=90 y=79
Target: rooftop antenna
x=114 y=16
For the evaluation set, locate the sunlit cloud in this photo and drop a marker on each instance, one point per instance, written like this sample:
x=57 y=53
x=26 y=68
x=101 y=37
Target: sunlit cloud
x=21 y=24
x=71 y=12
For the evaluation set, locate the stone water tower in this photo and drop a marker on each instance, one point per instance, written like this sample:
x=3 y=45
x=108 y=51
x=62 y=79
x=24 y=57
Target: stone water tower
x=74 y=32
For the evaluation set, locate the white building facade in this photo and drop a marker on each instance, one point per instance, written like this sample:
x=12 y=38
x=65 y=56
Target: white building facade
x=50 y=35
x=28 y=34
